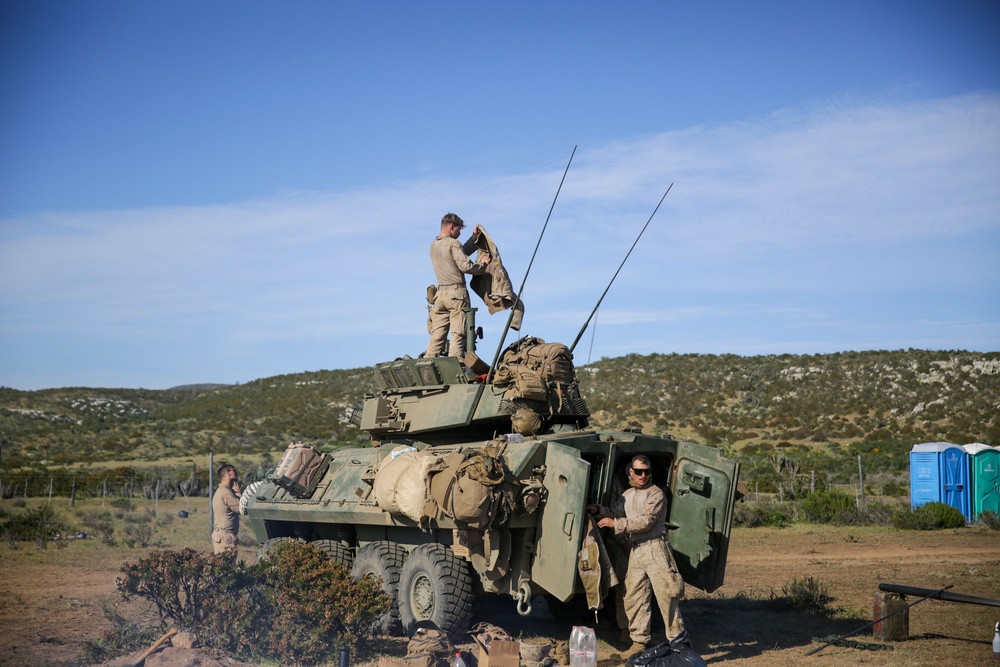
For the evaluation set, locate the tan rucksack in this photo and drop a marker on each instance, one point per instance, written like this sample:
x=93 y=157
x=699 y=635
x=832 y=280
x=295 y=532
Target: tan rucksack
x=429 y=647
x=535 y=370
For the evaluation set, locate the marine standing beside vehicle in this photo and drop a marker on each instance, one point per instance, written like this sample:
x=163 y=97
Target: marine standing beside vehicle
x=226 y=508
x=451 y=261
x=640 y=514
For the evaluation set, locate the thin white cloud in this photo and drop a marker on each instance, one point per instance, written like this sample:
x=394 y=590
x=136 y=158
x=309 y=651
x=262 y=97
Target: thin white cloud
x=778 y=203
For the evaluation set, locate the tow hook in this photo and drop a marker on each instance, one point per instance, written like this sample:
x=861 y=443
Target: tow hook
x=523 y=598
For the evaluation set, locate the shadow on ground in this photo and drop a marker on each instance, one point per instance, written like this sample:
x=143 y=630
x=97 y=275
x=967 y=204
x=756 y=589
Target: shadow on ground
x=729 y=628
x=721 y=629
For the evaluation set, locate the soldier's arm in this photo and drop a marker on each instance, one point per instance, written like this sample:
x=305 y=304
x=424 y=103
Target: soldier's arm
x=232 y=501
x=464 y=264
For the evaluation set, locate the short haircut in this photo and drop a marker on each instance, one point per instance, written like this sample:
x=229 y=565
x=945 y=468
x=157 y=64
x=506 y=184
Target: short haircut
x=641 y=458
x=452 y=219
x=224 y=467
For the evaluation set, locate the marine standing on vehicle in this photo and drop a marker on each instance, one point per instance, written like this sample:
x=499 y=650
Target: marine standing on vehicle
x=640 y=514
x=447 y=311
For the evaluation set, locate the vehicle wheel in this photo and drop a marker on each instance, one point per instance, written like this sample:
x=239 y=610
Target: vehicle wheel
x=383 y=560
x=268 y=547
x=435 y=585
x=337 y=551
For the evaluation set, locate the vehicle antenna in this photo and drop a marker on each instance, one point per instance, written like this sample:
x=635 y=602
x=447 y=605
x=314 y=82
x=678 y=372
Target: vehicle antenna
x=503 y=337
x=587 y=323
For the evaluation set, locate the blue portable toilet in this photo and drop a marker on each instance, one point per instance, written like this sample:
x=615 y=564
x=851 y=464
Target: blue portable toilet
x=984 y=466
x=939 y=472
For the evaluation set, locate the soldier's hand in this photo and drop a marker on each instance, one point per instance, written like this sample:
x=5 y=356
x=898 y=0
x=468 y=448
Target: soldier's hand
x=606 y=522
x=486 y=260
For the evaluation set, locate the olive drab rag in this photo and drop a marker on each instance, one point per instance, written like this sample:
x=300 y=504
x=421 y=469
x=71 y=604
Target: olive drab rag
x=494 y=287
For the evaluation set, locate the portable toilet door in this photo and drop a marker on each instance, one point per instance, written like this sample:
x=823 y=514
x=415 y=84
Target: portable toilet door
x=955 y=488
x=984 y=464
x=925 y=473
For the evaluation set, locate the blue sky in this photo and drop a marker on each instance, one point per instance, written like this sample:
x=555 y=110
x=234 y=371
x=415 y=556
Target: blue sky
x=218 y=192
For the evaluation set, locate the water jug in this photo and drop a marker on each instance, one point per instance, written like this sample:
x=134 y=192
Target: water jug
x=582 y=647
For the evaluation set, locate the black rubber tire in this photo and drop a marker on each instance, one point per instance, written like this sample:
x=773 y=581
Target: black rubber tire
x=383 y=560
x=337 y=551
x=435 y=585
x=265 y=549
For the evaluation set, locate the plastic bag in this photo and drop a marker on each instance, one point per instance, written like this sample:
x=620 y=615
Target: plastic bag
x=675 y=653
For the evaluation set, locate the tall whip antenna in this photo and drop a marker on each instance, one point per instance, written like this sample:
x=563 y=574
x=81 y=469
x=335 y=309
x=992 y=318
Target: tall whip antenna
x=587 y=323
x=503 y=337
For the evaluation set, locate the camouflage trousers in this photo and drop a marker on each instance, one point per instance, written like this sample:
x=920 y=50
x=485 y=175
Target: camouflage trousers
x=223 y=540
x=447 y=313
x=652 y=571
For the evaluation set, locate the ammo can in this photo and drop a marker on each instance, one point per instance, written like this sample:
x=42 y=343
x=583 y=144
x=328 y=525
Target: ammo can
x=895 y=628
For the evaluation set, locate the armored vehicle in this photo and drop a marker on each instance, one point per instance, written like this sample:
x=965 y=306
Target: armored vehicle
x=498 y=466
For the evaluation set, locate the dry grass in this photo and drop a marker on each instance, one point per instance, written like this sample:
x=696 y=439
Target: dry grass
x=50 y=599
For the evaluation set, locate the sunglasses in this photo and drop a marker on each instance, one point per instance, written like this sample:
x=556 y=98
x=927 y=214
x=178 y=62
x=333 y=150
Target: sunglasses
x=641 y=471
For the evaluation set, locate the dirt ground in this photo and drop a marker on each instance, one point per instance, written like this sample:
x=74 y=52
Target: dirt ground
x=51 y=599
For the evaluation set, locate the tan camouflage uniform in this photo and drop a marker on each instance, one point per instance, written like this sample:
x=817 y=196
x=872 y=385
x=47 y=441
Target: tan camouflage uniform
x=640 y=514
x=451 y=260
x=226 y=508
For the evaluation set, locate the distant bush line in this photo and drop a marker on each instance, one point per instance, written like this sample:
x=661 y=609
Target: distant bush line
x=838 y=508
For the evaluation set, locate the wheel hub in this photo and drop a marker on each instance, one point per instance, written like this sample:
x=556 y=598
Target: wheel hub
x=422 y=597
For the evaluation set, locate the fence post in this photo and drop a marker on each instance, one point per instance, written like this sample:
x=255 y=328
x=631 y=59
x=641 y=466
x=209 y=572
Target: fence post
x=50 y=490
x=72 y=494
x=861 y=484
x=211 y=484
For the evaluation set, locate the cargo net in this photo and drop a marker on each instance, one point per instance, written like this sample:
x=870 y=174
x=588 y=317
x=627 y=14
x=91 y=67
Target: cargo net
x=539 y=376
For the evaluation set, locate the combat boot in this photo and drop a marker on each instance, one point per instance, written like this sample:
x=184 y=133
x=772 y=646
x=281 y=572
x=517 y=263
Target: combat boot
x=635 y=649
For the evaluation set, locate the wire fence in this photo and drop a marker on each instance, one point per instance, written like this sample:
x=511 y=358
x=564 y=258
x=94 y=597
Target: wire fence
x=151 y=484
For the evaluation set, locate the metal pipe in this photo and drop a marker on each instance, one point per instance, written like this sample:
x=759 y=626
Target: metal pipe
x=944 y=597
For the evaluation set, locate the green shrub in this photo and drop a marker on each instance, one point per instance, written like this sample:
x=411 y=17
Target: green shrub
x=297 y=607
x=895 y=489
x=123 y=504
x=808 y=594
x=762 y=513
x=825 y=506
x=101 y=523
x=929 y=516
x=317 y=605
x=140 y=536
x=33 y=525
